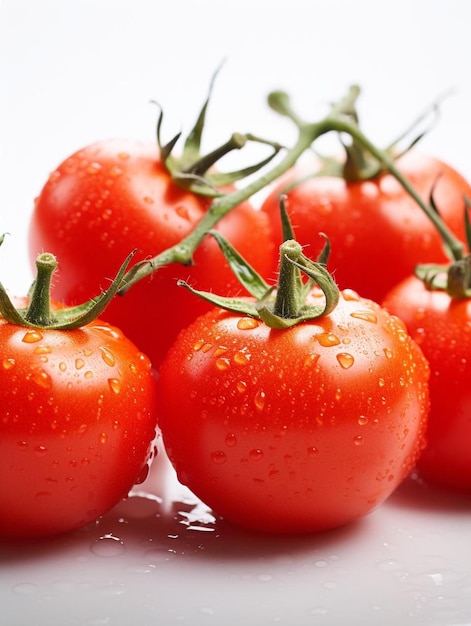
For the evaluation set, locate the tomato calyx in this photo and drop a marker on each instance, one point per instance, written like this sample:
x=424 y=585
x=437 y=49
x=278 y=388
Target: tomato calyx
x=40 y=314
x=192 y=170
x=287 y=303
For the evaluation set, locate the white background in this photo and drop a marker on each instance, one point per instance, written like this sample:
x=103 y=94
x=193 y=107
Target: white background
x=73 y=72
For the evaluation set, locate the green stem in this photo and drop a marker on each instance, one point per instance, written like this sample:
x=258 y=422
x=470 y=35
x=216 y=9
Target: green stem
x=341 y=119
x=221 y=206
x=454 y=245
x=39 y=310
x=288 y=294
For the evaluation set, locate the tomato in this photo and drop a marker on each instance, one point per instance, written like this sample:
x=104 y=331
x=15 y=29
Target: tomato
x=296 y=429
x=377 y=231
x=78 y=418
x=115 y=195
x=441 y=325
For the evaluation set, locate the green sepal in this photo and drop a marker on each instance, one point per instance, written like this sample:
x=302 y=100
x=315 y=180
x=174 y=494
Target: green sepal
x=280 y=306
x=62 y=319
x=244 y=272
x=192 y=170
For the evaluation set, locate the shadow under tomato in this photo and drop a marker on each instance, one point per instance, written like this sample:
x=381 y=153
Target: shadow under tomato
x=416 y=494
x=161 y=516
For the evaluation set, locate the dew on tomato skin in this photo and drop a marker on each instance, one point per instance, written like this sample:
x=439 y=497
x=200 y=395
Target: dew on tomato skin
x=79 y=363
x=222 y=364
x=230 y=440
x=350 y=295
x=108 y=331
x=241 y=358
x=358 y=440
x=88 y=374
x=32 y=336
x=345 y=359
x=256 y=454
x=107 y=356
x=8 y=364
x=259 y=400
x=218 y=457
x=365 y=315
x=363 y=420
x=114 y=385
x=40 y=451
x=247 y=323
x=42 y=379
x=241 y=386
x=327 y=340
x=311 y=359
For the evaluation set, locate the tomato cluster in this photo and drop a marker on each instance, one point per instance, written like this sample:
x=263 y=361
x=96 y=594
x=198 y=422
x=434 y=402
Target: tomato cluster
x=285 y=403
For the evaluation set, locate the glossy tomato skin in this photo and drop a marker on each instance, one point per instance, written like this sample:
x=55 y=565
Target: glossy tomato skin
x=295 y=430
x=78 y=419
x=377 y=231
x=442 y=327
x=115 y=195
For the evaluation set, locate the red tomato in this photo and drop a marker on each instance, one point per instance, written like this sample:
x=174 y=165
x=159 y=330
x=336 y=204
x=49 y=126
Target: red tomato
x=77 y=422
x=442 y=327
x=294 y=430
x=377 y=231
x=116 y=195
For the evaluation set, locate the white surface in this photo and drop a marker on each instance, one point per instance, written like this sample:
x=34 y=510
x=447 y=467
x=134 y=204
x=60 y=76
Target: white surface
x=74 y=72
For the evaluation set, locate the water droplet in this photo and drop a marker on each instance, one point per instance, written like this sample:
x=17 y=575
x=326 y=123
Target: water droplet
x=79 y=363
x=108 y=331
x=42 y=350
x=182 y=211
x=345 y=359
x=62 y=366
x=218 y=457
x=259 y=400
x=40 y=450
x=365 y=315
x=327 y=339
x=256 y=454
x=108 y=546
x=350 y=295
x=241 y=358
x=25 y=588
x=103 y=438
x=362 y=420
x=358 y=440
x=223 y=364
x=22 y=445
x=241 y=386
x=230 y=440
x=115 y=171
x=381 y=382
x=311 y=359
x=388 y=353
x=32 y=336
x=88 y=374
x=107 y=356
x=312 y=451
x=42 y=379
x=8 y=364
x=264 y=578
x=93 y=168
x=114 y=385
x=247 y=323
